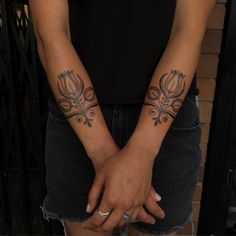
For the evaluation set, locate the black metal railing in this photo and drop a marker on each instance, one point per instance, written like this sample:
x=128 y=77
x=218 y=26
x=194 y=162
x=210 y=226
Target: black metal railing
x=23 y=113
x=218 y=202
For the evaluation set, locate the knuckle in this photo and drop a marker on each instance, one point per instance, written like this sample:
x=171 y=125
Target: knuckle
x=106 y=228
x=125 y=205
x=110 y=200
x=98 y=178
x=99 y=175
x=95 y=223
x=136 y=204
x=142 y=200
x=145 y=218
x=133 y=217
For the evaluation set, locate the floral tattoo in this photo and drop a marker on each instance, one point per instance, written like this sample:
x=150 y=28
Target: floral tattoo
x=77 y=100
x=165 y=99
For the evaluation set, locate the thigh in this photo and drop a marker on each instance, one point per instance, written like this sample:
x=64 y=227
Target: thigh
x=75 y=229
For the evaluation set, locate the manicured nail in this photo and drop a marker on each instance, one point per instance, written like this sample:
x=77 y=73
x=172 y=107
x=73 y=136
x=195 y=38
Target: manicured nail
x=88 y=208
x=153 y=222
x=157 y=196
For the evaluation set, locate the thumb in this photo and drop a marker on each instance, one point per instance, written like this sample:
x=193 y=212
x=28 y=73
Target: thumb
x=94 y=193
x=155 y=195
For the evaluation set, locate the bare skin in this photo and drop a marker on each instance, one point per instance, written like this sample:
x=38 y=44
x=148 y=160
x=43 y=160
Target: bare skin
x=72 y=86
x=74 y=229
x=171 y=81
x=118 y=178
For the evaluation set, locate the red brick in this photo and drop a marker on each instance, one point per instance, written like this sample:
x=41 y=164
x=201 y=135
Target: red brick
x=206 y=88
x=205 y=112
x=212 y=42
x=217 y=18
x=187 y=228
x=196 y=209
x=205 y=130
x=203 y=152
x=201 y=173
x=198 y=192
x=207 y=67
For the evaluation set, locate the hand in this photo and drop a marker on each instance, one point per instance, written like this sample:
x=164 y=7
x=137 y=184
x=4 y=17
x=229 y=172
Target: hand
x=126 y=177
x=152 y=207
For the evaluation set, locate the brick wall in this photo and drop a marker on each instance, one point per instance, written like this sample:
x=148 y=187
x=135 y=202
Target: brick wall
x=206 y=75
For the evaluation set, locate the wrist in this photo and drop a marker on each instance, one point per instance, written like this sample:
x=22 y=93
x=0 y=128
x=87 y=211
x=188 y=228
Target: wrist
x=101 y=149
x=142 y=144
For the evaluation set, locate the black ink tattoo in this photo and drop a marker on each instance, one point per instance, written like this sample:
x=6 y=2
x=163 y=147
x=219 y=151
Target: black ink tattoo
x=77 y=100
x=165 y=100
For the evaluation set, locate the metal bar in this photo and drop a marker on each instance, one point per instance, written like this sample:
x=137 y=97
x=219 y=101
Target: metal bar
x=217 y=182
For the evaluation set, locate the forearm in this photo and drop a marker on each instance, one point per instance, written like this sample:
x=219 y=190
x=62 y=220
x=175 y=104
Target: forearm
x=168 y=87
x=74 y=93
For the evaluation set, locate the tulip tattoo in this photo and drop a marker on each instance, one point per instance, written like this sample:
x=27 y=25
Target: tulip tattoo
x=77 y=100
x=165 y=100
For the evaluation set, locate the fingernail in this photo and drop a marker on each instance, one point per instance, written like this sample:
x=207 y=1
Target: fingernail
x=157 y=196
x=88 y=208
x=153 y=222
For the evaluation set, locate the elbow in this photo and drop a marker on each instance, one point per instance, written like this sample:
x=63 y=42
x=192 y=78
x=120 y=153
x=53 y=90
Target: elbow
x=39 y=44
x=193 y=33
x=49 y=38
x=40 y=49
x=49 y=44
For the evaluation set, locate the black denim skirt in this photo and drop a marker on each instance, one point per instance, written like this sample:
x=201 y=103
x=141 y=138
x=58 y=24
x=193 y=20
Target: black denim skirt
x=70 y=173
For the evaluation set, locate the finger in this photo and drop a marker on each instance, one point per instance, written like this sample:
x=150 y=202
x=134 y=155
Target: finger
x=135 y=215
x=145 y=217
x=94 y=193
x=154 y=208
x=97 y=219
x=155 y=195
x=112 y=221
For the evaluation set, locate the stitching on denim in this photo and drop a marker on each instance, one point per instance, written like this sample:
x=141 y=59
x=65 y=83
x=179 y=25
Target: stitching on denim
x=193 y=226
x=185 y=130
x=47 y=215
x=56 y=119
x=64 y=227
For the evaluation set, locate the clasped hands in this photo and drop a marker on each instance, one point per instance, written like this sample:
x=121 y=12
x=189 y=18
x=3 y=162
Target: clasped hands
x=124 y=181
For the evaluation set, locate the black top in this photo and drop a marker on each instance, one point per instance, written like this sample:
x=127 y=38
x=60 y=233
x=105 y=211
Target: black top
x=120 y=44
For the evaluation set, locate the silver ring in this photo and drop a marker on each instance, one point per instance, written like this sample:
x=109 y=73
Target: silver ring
x=126 y=216
x=103 y=214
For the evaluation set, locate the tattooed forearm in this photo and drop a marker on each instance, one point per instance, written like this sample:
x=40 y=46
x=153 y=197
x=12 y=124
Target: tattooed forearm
x=77 y=100
x=165 y=100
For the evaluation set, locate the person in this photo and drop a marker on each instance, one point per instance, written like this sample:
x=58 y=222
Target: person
x=122 y=143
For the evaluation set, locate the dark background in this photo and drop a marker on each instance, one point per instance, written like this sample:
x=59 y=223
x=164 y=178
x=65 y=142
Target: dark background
x=23 y=109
